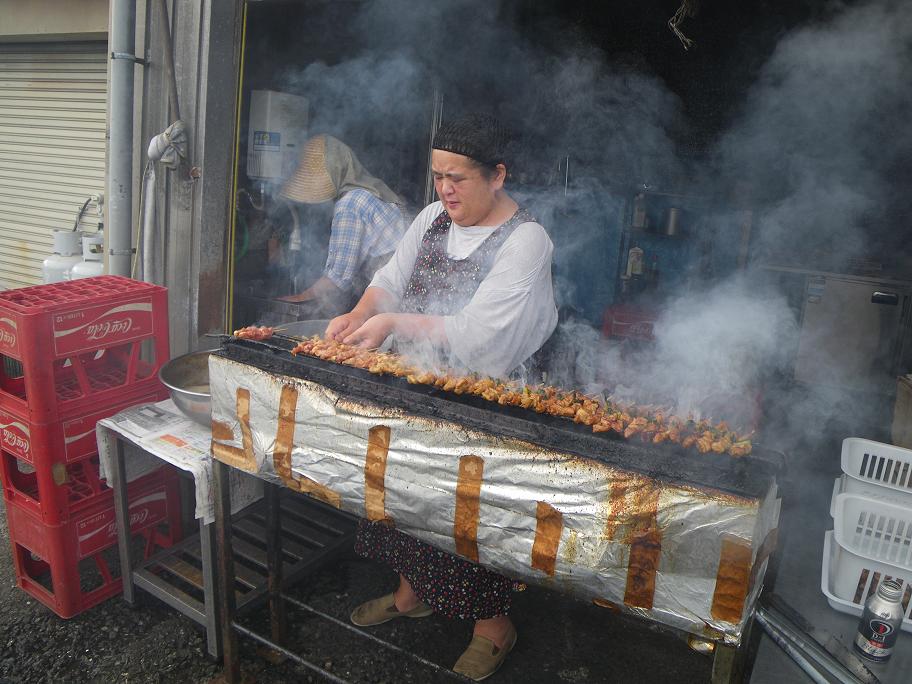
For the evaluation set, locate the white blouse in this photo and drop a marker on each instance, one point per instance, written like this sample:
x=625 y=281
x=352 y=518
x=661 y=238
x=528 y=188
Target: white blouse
x=512 y=313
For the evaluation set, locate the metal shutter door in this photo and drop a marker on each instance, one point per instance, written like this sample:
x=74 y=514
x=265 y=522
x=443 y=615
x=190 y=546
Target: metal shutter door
x=52 y=148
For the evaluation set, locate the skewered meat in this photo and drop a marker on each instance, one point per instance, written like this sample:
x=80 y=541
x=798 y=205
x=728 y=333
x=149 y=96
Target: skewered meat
x=254 y=332
x=652 y=424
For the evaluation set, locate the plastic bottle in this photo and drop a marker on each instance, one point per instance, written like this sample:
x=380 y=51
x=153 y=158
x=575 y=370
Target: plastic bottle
x=639 y=211
x=634 y=262
x=653 y=273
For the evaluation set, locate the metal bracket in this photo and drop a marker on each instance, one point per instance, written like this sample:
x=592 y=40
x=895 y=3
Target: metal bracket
x=122 y=252
x=129 y=56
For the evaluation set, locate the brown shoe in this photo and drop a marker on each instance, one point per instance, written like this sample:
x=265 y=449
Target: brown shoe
x=482 y=658
x=383 y=609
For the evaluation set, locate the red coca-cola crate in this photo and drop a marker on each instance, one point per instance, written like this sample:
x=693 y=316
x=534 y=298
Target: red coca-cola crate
x=66 y=567
x=45 y=444
x=72 y=346
x=628 y=322
x=55 y=495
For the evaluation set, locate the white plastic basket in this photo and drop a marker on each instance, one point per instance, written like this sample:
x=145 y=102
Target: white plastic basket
x=847 y=580
x=846 y=484
x=874 y=529
x=878 y=464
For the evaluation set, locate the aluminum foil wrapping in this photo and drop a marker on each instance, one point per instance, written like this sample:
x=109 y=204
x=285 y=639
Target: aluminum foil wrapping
x=686 y=557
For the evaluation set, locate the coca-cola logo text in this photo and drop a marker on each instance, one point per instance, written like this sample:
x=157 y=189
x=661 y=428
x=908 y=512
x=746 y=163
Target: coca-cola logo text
x=7 y=338
x=136 y=518
x=139 y=517
x=99 y=331
x=15 y=442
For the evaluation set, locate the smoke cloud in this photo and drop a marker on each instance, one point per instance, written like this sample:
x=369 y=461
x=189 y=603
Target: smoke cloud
x=815 y=150
x=823 y=133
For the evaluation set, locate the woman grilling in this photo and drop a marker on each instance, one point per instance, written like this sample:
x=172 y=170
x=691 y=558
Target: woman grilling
x=472 y=276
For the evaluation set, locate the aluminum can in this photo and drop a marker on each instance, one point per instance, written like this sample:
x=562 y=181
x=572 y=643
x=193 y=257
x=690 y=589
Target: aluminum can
x=880 y=622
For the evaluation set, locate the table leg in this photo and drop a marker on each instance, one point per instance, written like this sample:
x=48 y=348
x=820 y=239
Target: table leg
x=732 y=664
x=122 y=518
x=724 y=664
x=277 y=615
x=225 y=571
x=210 y=604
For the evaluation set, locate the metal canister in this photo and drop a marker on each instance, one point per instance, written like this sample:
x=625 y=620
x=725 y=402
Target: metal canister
x=672 y=223
x=880 y=622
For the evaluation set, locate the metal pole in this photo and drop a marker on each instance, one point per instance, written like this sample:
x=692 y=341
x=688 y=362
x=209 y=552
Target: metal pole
x=806 y=645
x=225 y=571
x=120 y=146
x=122 y=518
x=274 y=561
x=169 y=58
x=792 y=651
x=436 y=120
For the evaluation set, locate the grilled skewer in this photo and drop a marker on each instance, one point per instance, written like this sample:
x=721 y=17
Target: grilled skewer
x=650 y=424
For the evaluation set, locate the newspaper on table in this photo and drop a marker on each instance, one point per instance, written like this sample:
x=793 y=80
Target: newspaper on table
x=160 y=432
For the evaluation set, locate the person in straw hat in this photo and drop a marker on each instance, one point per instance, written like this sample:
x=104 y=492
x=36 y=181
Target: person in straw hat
x=367 y=221
x=472 y=275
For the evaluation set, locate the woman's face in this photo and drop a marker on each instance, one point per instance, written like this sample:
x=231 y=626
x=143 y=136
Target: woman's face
x=467 y=194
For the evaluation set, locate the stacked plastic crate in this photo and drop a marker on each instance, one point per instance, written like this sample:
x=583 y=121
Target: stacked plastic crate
x=73 y=353
x=871 y=539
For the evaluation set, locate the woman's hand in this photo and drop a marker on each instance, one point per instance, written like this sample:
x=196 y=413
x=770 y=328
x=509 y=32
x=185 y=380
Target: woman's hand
x=321 y=289
x=374 y=301
x=342 y=326
x=373 y=332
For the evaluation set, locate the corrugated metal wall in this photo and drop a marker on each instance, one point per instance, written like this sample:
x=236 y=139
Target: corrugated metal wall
x=52 y=148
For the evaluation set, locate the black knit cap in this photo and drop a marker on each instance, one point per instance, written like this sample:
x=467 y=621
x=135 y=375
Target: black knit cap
x=478 y=136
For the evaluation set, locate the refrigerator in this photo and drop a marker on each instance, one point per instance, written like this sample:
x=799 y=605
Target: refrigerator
x=855 y=332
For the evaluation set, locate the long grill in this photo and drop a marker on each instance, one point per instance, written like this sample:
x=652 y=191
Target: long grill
x=750 y=476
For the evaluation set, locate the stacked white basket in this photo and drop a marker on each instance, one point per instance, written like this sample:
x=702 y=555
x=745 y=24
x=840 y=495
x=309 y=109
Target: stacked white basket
x=871 y=538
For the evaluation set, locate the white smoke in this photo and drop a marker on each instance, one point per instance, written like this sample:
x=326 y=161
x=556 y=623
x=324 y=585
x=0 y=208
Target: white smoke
x=823 y=131
x=820 y=138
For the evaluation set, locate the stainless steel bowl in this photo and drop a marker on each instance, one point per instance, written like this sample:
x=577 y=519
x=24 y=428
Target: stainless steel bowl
x=304 y=328
x=187 y=379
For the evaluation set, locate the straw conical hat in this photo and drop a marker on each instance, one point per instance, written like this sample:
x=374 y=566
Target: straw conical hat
x=311 y=182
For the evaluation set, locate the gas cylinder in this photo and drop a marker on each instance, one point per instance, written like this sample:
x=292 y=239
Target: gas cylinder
x=92 y=263
x=67 y=253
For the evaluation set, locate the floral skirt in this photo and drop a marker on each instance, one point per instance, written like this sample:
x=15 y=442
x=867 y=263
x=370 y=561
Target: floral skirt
x=452 y=586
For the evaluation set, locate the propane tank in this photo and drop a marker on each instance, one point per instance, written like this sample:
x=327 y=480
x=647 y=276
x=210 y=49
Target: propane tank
x=92 y=263
x=67 y=253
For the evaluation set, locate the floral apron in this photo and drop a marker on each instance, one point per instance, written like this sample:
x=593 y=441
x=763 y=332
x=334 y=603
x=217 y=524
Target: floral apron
x=451 y=585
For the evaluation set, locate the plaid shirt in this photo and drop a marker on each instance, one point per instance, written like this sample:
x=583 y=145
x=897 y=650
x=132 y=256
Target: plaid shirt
x=363 y=227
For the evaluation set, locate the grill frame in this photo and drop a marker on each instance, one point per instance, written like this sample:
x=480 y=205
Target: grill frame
x=750 y=476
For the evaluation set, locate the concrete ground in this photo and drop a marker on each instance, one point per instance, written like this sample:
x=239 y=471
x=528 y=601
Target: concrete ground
x=560 y=640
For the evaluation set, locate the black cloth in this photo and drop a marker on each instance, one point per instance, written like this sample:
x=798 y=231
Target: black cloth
x=477 y=136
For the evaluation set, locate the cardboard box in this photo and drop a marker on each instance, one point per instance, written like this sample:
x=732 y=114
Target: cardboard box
x=902 y=413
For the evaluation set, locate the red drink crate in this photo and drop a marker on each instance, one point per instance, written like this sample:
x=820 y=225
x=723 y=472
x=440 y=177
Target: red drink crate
x=629 y=322
x=55 y=495
x=77 y=345
x=67 y=567
x=44 y=466
x=46 y=444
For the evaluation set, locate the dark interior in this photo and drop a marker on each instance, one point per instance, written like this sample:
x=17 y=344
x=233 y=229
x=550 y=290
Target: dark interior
x=777 y=139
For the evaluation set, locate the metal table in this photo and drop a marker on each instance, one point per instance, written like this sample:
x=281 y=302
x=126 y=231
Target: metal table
x=263 y=411
x=730 y=663
x=183 y=576
x=280 y=576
